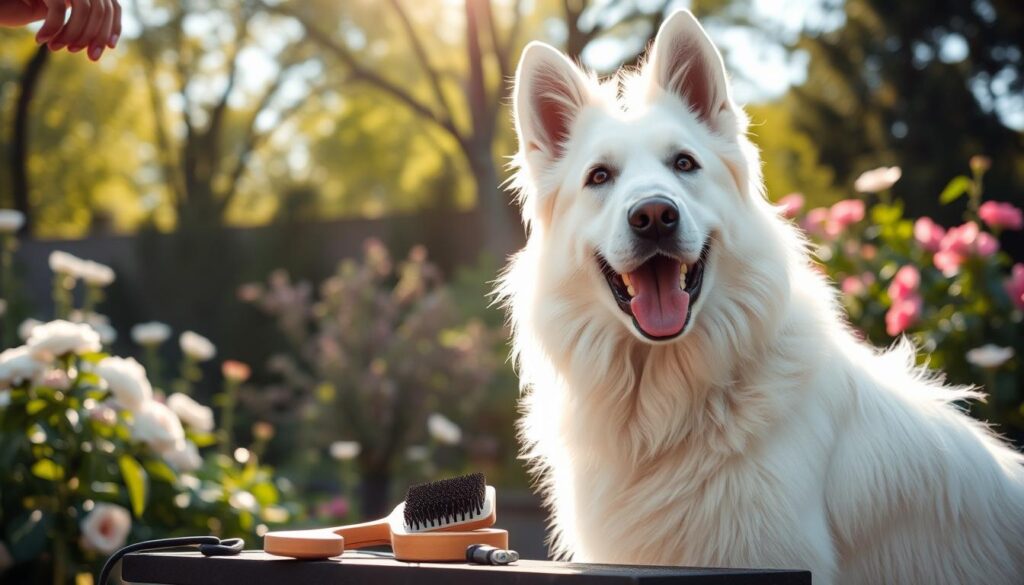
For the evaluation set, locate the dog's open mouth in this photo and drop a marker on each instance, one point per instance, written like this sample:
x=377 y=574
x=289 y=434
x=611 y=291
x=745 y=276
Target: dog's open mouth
x=658 y=294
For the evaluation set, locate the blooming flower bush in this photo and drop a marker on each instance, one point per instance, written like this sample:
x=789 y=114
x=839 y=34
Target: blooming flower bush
x=378 y=356
x=94 y=456
x=950 y=290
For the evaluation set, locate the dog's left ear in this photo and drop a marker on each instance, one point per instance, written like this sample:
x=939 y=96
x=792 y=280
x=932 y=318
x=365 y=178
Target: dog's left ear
x=685 y=62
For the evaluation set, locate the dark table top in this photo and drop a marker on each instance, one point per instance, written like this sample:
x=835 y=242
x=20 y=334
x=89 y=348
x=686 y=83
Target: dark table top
x=258 y=568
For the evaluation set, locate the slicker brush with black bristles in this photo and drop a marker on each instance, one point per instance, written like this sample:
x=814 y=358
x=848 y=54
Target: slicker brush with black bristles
x=438 y=505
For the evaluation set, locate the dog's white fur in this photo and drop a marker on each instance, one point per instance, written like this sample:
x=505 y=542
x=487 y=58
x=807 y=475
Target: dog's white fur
x=766 y=435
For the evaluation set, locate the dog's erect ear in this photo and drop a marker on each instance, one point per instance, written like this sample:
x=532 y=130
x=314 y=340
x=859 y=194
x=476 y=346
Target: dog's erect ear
x=549 y=93
x=685 y=62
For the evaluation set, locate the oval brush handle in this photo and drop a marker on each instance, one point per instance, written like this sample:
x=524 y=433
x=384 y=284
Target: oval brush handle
x=375 y=533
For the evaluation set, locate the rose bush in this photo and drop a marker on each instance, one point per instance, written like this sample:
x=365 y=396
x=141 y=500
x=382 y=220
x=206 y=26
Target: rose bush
x=94 y=456
x=952 y=291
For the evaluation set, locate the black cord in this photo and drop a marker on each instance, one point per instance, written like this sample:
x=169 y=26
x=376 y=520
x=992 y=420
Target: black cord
x=210 y=546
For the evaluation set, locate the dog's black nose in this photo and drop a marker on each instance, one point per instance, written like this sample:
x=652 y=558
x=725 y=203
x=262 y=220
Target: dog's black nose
x=654 y=218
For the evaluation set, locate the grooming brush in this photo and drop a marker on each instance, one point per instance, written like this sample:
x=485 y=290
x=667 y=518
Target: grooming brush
x=437 y=521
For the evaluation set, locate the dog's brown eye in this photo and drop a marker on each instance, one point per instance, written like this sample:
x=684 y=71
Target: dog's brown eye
x=686 y=163
x=598 y=176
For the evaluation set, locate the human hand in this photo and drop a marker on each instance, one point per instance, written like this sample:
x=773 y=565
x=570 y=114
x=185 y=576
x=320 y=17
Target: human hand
x=94 y=24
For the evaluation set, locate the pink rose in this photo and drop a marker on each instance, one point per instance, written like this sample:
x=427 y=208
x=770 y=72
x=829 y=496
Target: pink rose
x=814 y=221
x=902 y=314
x=336 y=507
x=948 y=262
x=844 y=214
x=961 y=242
x=928 y=233
x=1001 y=216
x=904 y=284
x=986 y=245
x=1015 y=285
x=960 y=239
x=853 y=286
x=790 y=205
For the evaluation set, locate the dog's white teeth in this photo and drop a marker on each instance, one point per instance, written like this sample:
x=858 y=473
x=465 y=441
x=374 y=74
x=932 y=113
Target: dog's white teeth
x=684 y=268
x=625 y=279
x=630 y=291
x=682 y=278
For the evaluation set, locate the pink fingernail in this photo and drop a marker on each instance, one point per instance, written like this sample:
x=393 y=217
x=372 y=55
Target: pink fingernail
x=75 y=48
x=114 y=39
x=95 y=52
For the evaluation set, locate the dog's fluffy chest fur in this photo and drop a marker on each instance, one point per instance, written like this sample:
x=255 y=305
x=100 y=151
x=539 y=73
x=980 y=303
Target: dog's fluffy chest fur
x=817 y=465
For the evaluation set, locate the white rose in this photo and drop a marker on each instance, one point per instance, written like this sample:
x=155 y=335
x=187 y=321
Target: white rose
x=877 y=180
x=989 y=356
x=100 y=323
x=106 y=528
x=158 y=427
x=127 y=381
x=184 y=459
x=443 y=430
x=417 y=453
x=63 y=263
x=345 y=450
x=18 y=365
x=11 y=220
x=151 y=333
x=26 y=328
x=197 y=347
x=96 y=274
x=60 y=337
x=191 y=412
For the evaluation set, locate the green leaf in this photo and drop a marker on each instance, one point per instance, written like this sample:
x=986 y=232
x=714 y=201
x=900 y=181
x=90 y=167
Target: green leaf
x=136 y=481
x=955 y=189
x=202 y=439
x=48 y=470
x=35 y=406
x=159 y=470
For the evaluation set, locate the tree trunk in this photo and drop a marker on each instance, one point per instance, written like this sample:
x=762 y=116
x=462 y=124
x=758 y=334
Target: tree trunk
x=19 y=141
x=501 y=232
x=374 y=494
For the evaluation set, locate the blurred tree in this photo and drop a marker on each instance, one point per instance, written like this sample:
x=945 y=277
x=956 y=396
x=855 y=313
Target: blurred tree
x=472 y=123
x=208 y=123
x=27 y=83
x=791 y=160
x=923 y=87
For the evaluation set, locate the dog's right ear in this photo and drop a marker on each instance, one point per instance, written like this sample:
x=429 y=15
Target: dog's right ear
x=549 y=93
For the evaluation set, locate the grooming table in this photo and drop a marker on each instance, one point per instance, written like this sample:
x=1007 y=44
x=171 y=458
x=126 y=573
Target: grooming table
x=258 y=568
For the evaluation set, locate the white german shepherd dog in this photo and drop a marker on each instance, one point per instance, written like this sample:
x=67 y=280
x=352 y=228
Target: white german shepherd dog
x=692 y=393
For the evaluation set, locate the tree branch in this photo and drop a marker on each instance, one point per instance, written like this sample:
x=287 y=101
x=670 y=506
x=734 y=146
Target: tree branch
x=252 y=140
x=504 y=50
x=359 y=72
x=217 y=113
x=168 y=159
x=423 y=58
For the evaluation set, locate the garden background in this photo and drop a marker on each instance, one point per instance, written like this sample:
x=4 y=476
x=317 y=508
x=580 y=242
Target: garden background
x=315 y=189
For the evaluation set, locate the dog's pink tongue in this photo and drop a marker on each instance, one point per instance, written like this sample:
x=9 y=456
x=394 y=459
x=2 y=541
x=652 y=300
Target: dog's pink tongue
x=659 y=305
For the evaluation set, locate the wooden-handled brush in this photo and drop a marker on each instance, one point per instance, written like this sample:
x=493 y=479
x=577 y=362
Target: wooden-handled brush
x=436 y=522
